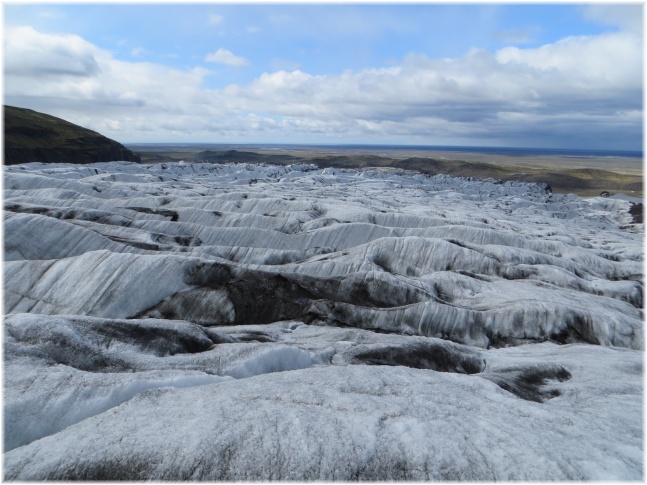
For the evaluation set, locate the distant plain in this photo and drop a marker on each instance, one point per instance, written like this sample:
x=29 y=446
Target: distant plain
x=582 y=174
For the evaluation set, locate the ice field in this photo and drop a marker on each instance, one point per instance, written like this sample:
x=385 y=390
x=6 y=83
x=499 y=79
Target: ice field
x=195 y=321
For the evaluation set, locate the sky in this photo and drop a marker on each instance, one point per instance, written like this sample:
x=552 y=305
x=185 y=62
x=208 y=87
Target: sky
x=518 y=75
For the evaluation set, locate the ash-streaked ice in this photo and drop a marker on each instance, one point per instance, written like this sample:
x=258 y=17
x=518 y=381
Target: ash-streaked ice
x=196 y=321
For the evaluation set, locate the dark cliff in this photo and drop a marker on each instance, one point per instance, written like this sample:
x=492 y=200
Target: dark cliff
x=30 y=136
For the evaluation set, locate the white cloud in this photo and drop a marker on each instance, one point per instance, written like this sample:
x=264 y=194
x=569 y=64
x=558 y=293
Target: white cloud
x=223 y=56
x=215 y=19
x=31 y=53
x=251 y=29
x=578 y=91
x=583 y=83
x=280 y=19
x=577 y=74
x=516 y=36
x=69 y=77
x=606 y=60
x=284 y=65
x=137 y=51
x=51 y=14
x=629 y=17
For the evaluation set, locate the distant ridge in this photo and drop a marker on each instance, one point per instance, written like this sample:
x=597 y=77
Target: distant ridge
x=221 y=156
x=494 y=150
x=30 y=136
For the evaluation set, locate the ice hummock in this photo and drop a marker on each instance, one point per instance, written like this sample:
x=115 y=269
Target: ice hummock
x=256 y=322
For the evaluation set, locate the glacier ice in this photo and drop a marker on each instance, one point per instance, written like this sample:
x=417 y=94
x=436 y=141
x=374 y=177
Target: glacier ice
x=256 y=322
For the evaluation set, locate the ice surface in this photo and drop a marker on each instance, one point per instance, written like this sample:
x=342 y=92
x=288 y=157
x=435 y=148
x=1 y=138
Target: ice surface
x=240 y=321
x=371 y=422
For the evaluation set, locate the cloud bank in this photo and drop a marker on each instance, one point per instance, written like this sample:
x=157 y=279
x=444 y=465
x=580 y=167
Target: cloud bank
x=223 y=56
x=581 y=91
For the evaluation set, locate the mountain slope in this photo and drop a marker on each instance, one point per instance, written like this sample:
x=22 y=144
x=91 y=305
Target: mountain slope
x=30 y=136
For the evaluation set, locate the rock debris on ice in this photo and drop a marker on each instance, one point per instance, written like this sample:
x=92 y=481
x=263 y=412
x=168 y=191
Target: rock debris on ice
x=256 y=322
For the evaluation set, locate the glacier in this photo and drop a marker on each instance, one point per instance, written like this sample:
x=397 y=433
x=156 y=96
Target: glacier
x=198 y=321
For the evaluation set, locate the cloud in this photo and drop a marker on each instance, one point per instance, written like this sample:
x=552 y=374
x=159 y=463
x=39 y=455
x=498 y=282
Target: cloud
x=51 y=14
x=284 y=65
x=628 y=17
x=64 y=54
x=215 y=19
x=613 y=59
x=251 y=29
x=580 y=91
x=577 y=74
x=137 y=51
x=516 y=36
x=69 y=77
x=579 y=87
x=223 y=56
x=279 y=18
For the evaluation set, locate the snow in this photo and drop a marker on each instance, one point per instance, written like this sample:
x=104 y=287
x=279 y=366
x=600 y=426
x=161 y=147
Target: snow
x=255 y=322
x=629 y=198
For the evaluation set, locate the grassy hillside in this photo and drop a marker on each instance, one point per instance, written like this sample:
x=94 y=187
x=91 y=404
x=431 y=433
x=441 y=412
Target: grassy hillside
x=30 y=136
x=587 y=182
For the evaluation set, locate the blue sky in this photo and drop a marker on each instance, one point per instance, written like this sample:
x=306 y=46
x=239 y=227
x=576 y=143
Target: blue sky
x=552 y=75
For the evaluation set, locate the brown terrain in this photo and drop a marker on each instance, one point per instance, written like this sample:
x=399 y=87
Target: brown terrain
x=584 y=176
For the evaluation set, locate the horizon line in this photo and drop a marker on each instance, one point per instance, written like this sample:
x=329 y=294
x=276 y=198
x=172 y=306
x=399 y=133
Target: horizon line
x=392 y=145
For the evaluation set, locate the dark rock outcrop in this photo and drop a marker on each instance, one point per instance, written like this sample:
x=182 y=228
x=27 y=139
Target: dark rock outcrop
x=636 y=211
x=235 y=156
x=30 y=136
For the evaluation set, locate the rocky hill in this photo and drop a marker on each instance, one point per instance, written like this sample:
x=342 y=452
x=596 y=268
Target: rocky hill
x=30 y=136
